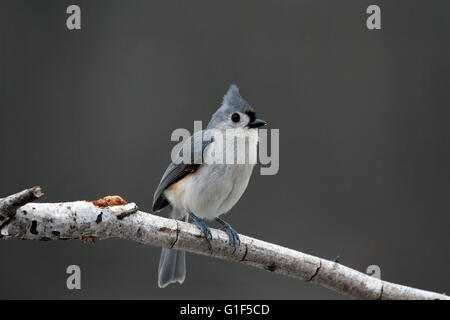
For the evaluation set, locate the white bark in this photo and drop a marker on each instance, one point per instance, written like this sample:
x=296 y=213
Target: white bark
x=86 y=220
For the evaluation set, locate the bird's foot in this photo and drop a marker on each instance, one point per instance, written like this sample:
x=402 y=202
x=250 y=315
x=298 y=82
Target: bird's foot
x=203 y=227
x=232 y=234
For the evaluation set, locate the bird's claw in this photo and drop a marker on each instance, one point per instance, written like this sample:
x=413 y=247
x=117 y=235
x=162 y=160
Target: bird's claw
x=203 y=228
x=233 y=236
x=208 y=236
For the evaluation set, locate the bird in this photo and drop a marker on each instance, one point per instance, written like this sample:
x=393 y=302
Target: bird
x=204 y=191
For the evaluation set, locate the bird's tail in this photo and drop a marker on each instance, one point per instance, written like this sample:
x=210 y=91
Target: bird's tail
x=172 y=264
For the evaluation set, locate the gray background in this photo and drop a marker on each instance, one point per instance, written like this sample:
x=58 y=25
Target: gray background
x=363 y=118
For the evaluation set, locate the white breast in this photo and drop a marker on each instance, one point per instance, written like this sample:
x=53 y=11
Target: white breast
x=213 y=189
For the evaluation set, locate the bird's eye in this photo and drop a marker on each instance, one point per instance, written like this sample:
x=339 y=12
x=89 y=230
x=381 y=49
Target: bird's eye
x=235 y=117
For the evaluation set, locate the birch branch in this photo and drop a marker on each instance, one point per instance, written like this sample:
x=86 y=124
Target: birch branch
x=112 y=217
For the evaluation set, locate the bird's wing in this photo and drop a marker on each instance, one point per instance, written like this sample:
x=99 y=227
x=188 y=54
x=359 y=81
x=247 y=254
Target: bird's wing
x=177 y=170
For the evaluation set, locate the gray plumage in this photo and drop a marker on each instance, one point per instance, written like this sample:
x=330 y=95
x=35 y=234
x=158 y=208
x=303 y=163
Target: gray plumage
x=232 y=102
x=172 y=263
x=178 y=170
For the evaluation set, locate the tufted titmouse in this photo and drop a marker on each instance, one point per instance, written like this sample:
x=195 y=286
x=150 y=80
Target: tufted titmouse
x=201 y=190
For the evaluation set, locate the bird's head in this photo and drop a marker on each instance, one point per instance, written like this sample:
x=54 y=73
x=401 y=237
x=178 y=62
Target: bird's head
x=234 y=113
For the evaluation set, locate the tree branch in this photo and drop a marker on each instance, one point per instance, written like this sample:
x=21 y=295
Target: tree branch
x=9 y=205
x=112 y=217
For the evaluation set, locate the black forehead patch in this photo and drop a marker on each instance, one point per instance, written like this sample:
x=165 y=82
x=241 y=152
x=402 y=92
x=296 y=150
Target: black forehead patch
x=251 y=114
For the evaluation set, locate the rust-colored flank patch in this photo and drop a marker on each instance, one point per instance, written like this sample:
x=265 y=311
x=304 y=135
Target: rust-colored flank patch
x=109 y=201
x=88 y=239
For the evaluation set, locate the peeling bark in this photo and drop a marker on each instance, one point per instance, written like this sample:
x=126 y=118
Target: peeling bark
x=113 y=217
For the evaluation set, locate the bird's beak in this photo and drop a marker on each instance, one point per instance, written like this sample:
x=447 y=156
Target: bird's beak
x=256 y=123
